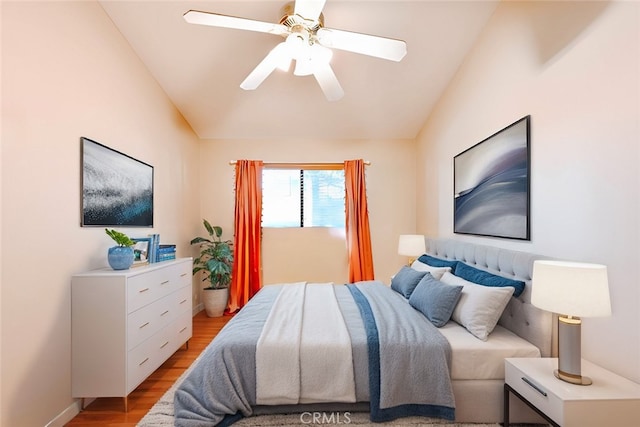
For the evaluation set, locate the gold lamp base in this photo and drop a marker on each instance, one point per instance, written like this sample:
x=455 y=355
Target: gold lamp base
x=573 y=379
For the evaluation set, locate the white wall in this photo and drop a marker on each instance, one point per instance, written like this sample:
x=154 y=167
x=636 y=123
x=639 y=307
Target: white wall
x=574 y=67
x=67 y=72
x=390 y=189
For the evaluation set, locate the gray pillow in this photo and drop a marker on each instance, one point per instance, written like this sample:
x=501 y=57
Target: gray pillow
x=435 y=299
x=406 y=280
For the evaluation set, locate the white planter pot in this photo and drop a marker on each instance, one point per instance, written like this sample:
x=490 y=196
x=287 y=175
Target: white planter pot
x=215 y=301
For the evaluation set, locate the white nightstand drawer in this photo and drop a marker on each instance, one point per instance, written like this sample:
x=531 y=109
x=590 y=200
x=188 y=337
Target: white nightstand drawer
x=534 y=392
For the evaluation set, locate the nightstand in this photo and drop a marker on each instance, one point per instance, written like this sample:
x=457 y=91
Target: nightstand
x=610 y=401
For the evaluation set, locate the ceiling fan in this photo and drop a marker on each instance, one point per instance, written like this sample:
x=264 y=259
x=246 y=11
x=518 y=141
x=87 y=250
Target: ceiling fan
x=307 y=42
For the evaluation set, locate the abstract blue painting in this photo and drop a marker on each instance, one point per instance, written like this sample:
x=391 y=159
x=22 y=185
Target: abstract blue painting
x=491 y=185
x=117 y=190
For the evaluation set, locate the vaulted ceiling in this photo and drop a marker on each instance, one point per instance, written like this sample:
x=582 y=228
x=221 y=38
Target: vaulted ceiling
x=201 y=68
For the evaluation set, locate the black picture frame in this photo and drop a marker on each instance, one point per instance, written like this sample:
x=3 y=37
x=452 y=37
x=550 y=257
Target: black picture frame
x=491 y=185
x=117 y=189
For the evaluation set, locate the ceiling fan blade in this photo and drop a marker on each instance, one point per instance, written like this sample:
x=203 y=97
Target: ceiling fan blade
x=226 y=21
x=270 y=62
x=309 y=9
x=328 y=81
x=365 y=44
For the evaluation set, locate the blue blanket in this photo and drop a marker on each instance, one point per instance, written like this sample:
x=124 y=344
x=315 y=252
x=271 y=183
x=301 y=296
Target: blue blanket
x=392 y=370
x=408 y=359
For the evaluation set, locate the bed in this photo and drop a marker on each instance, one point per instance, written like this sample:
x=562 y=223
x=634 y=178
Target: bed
x=417 y=361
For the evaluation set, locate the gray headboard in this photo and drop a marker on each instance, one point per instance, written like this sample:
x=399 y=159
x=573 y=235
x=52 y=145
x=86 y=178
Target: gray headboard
x=520 y=316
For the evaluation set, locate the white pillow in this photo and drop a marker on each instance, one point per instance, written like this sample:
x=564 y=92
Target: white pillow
x=436 y=272
x=479 y=307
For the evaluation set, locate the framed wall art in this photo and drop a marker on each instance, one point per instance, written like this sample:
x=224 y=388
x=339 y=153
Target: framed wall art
x=117 y=190
x=491 y=185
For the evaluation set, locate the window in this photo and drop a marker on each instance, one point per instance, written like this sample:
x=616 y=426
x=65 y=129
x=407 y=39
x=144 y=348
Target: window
x=303 y=198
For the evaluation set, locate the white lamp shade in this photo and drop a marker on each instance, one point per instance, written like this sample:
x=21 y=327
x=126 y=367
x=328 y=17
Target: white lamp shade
x=571 y=288
x=411 y=245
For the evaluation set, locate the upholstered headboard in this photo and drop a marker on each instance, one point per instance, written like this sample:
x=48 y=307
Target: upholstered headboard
x=520 y=316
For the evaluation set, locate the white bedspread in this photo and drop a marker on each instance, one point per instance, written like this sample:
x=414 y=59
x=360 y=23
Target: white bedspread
x=474 y=359
x=303 y=354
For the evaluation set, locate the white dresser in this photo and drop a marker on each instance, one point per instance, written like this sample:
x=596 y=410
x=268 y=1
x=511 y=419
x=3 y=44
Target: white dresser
x=125 y=324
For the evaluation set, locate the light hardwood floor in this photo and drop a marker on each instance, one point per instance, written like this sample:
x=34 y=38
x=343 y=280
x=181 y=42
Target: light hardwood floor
x=109 y=412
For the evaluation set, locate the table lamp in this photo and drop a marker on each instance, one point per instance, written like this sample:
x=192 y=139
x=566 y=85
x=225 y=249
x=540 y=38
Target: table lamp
x=572 y=290
x=411 y=245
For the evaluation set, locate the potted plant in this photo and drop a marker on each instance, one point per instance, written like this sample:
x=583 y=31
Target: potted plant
x=216 y=262
x=120 y=257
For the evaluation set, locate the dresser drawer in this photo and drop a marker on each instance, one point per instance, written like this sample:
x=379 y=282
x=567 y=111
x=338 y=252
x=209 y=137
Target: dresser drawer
x=183 y=274
x=141 y=362
x=183 y=328
x=535 y=393
x=146 y=321
x=182 y=300
x=150 y=354
x=175 y=335
x=145 y=288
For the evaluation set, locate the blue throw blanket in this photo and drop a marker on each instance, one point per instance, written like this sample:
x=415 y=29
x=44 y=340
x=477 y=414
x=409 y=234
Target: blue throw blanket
x=396 y=365
x=408 y=362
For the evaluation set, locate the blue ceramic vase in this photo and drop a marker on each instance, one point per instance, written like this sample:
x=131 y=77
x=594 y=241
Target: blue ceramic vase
x=120 y=257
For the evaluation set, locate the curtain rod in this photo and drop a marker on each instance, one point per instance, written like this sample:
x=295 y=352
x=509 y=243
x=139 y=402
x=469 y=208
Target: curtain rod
x=298 y=164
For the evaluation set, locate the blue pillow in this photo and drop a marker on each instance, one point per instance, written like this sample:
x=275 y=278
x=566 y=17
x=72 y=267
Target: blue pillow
x=406 y=280
x=487 y=279
x=437 y=262
x=436 y=300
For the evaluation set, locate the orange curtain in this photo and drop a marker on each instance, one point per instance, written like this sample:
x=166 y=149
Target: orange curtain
x=246 y=277
x=357 y=222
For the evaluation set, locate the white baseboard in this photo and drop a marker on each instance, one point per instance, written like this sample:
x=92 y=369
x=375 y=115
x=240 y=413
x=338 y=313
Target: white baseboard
x=68 y=414
x=197 y=308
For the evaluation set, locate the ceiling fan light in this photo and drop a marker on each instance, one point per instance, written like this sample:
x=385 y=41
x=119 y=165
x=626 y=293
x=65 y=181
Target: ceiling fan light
x=304 y=67
x=321 y=54
x=296 y=44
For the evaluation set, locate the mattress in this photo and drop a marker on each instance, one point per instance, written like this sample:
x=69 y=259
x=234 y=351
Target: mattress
x=473 y=359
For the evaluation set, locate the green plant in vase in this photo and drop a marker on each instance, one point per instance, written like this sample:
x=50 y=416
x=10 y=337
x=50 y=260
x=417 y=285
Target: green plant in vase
x=216 y=263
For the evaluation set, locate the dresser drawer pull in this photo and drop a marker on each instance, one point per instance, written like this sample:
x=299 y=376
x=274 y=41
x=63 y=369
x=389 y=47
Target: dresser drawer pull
x=535 y=387
x=143 y=362
x=143 y=290
x=183 y=274
x=165 y=282
x=183 y=329
x=164 y=313
x=183 y=301
x=164 y=345
x=143 y=325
